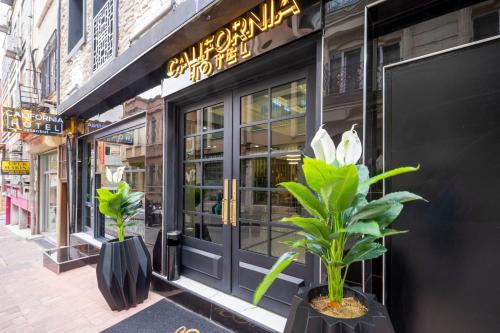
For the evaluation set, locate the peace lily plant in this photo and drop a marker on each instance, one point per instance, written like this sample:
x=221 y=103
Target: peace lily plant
x=121 y=204
x=340 y=214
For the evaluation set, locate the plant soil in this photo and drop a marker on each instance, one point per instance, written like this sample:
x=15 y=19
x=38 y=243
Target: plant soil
x=350 y=307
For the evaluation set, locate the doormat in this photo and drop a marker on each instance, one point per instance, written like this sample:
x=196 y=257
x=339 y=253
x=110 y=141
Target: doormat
x=166 y=317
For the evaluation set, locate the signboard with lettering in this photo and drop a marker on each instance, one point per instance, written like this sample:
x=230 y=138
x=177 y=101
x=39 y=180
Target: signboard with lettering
x=30 y=121
x=94 y=125
x=270 y=25
x=15 y=168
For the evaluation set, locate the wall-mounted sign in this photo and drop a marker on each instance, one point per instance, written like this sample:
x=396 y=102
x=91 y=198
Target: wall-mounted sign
x=230 y=44
x=94 y=125
x=30 y=121
x=15 y=168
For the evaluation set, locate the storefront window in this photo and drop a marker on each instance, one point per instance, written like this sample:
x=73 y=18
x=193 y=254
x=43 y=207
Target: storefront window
x=48 y=193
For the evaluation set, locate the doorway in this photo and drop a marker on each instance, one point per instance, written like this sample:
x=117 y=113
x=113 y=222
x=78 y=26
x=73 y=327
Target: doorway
x=235 y=150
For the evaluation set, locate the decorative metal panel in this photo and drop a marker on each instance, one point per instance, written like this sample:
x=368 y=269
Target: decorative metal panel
x=104 y=41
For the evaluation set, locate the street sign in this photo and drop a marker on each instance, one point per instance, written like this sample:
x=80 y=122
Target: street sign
x=15 y=168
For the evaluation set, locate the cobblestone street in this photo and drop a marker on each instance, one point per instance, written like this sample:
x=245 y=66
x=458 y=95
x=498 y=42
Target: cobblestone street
x=34 y=299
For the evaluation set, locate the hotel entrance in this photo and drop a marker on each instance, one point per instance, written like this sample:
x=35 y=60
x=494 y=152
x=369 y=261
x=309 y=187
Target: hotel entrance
x=235 y=151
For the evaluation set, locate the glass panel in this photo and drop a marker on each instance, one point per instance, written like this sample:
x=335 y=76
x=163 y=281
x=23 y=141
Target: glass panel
x=192 y=225
x=284 y=169
x=213 y=145
x=253 y=237
x=253 y=172
x=192 y=148
x=213 y=173
x=253 y=140
x=192 y=174
x=280 y=235
x=192 y=198
x=253 y=205
x=289 y=99
x=288 y=135
x=212 y=201
x=283 y=204
x=255 y=107
x=212 y=229
x=213 y=117
x=192 y=122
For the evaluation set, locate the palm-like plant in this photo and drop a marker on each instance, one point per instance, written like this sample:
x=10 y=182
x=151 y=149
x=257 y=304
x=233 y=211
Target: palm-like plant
x=340 y=214
x=121 y=204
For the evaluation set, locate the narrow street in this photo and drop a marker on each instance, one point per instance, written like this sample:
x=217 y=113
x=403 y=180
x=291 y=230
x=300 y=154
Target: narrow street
x=34 y=299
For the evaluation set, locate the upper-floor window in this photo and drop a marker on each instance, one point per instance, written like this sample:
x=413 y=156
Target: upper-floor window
x=48 y=67
x=344 y=73
x=104 y=32
x=487 y=25
x=76 y=24
x=387 y=54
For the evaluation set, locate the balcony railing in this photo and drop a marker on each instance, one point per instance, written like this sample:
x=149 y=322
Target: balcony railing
x=344 y=79
x=104 y=34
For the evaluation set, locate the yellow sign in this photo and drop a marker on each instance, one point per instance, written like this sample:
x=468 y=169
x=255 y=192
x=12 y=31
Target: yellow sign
x=228 y=45
x=15 y=168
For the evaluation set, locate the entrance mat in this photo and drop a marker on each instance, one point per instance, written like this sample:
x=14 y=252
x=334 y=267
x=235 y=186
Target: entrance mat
x=166 y=317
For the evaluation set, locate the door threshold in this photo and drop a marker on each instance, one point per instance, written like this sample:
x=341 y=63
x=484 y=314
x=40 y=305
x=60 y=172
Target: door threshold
x=239 y=309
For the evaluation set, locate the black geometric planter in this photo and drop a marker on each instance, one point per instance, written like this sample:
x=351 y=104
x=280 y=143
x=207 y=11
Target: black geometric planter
x=124 y=272
x=304 y=319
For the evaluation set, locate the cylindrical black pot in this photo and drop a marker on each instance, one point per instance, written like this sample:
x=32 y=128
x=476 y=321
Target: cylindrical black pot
x=124 y=272
x=304 y=319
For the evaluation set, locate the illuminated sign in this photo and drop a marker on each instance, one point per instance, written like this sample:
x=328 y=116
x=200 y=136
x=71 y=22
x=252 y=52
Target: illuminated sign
x=29 y=121
x=228 y=45
x=15 y=168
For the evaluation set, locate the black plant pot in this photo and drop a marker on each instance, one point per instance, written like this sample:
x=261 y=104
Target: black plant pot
x=304 y=319
x=124 y=272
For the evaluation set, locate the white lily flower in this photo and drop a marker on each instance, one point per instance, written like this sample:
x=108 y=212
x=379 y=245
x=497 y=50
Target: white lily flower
x=118 y=175
x=350 y=148
x=323 y=146
x=109 y=175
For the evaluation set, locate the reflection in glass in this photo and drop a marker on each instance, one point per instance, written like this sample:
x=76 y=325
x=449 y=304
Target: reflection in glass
x=192 y=122
x=213 y=145
x=213 y=118
x=192 y=173
x=192 y=198
x=212 y=229
x=289 y=99
x=253 y=172
x=283 y=204
x=213 y=173
x=280 y=235
x=253 y=205
x=212 y=201
x=253 y=140
x=253 y=237
x=255 y=107
x=192 y=148
x=192 y=225
x=288 y=135
x=285 y=169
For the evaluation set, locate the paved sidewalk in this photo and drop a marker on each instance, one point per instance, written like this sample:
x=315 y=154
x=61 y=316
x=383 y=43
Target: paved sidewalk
x=34 y=299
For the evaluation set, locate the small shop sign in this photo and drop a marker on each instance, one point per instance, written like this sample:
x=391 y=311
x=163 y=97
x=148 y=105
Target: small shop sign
x=15 y=168
x=229 y=45
x=30 y=121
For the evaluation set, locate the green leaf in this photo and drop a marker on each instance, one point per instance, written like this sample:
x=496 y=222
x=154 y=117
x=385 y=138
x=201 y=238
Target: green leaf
x=364 y=249
x=389 y=215
x=341 y=189
x=402 y=196
x=310 y=225
x=104 y=194
x=283 y=262
x=391 y=173
x=306 y=199
x=372 y=210
x=365 y=228
x=317 y=173
x=391 y=232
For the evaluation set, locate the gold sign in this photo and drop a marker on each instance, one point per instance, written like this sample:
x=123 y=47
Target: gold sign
x=15 y=168
x=30 y=121
x=228 y=45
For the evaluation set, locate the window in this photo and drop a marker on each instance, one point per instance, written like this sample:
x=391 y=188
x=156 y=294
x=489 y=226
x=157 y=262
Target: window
x=487 y=25
x=48 y=67
x=387 y=54
x=104 y=33
x=344 y=72
x=76 y=24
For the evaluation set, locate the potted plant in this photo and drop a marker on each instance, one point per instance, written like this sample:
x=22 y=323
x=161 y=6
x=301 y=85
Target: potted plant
x=343 y=228
x=124 y=266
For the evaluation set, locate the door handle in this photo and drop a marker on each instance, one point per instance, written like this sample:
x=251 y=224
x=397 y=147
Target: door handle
x=234 y=214
x=224 y=214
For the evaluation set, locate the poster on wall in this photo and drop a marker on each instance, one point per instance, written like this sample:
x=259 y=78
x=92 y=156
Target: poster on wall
x=30 y=121
x=15 y=168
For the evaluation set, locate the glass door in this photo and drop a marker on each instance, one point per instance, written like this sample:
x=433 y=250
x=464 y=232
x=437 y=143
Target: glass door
x=206 y=166
x=48 y=192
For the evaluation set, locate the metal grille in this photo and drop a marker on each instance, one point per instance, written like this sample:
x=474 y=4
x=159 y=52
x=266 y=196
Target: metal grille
x=104 y=35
